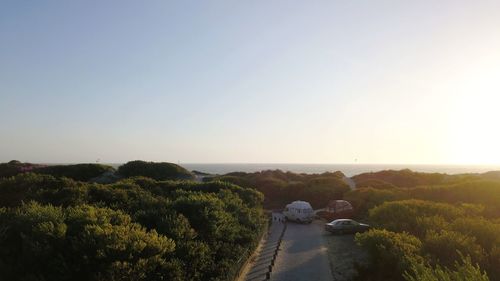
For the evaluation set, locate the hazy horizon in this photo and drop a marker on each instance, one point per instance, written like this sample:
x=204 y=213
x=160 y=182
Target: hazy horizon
x=317 y=168
x=252 y=82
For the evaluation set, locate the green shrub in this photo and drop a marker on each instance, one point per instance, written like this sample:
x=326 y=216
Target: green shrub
x=154 y=170
x=280 y=188
x=444 y=247
x=486 y=232
x=101 y=229
x=77 y=243
x=407 y=215
x=79 y=172
x=364 y=199
x=464 y=271
x=391 y=253
x=402 y=178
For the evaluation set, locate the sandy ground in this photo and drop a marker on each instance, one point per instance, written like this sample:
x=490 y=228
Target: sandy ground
x=343 y=254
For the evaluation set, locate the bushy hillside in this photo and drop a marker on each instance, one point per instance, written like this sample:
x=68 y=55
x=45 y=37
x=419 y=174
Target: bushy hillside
x=408 y=178
x=437 y=232
x=79 y=172
x=154 y=170
x=15 y=167
x=56 y=228
x=281 y=188
x=402 y=178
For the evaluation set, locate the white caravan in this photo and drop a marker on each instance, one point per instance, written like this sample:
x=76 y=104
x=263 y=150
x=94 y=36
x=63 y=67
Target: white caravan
x=299 y=211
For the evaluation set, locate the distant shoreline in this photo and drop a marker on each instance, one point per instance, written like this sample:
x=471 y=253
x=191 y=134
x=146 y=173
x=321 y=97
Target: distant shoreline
x=348 y=169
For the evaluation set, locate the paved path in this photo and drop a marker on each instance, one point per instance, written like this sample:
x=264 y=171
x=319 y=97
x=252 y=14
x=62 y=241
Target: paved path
x=258 y=267
x=303 y=255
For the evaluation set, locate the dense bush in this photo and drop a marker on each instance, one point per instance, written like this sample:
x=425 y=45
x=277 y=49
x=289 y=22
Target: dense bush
x=89 y=231
x=407 y=178
x=78 y=243
x=402 y=178
x=477 y=192
x=445 y=247
x=463 y=271
x=374 y=183
x=391 y=253
x=79 y=172
x=15 y=167
x=407 y=215
x=154 y=170
x=449 y=220
x=281 y=188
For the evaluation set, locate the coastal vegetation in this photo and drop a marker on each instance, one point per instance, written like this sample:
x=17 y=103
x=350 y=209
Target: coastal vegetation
x=153 y=222
x=428 y=226
x=280 y=188
x=79 y=172
x=138 y=228
x=154 y=170
x=435 y=232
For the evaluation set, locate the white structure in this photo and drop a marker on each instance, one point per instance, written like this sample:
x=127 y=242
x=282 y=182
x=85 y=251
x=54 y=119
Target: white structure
x=300 y=211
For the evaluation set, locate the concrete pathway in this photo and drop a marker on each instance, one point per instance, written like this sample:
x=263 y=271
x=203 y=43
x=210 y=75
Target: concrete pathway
x=258 y=267
x=304 y=254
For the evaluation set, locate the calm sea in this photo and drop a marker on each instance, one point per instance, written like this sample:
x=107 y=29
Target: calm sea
x=347 y=169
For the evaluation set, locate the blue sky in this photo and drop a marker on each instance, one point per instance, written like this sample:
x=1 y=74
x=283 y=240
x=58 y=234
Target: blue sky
x=250 y=81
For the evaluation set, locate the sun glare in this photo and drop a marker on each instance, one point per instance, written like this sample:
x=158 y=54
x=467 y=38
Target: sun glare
x=474 y=132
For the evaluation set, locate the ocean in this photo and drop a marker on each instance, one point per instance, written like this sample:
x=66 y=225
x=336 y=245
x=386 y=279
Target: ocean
x=348 y=169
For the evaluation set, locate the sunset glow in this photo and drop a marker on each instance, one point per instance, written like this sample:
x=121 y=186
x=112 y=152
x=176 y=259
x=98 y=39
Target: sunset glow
x=337 y=82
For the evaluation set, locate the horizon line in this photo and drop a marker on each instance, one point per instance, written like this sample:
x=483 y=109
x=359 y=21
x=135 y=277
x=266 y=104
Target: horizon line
x=276 y=163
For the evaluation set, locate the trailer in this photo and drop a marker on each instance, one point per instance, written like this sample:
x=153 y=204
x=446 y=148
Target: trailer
x=299 y=211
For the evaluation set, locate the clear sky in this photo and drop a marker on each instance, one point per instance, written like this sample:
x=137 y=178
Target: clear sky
x=250 y=81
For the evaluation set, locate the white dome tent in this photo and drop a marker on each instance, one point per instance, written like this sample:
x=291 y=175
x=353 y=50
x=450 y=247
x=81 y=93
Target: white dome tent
x=299 y=211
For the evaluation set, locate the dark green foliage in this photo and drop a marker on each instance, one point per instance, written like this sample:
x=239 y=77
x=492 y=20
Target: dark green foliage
x=280 y=188
x=42 y=188
x=79 y=172
x=458 y=224
x=154 y=170
x=391 y=253
x=444 y=247
x=363 y=199
x=486 y=232
x=15 y=167
x=374 y=183
x=483 y=192
x=78 y=243
x=462 y=271
x=407 y=215
x=402 y=178
x=135 y=229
